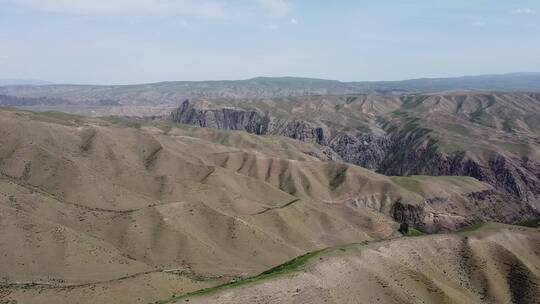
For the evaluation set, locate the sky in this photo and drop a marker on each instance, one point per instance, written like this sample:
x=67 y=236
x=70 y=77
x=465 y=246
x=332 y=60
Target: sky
x=139 y=41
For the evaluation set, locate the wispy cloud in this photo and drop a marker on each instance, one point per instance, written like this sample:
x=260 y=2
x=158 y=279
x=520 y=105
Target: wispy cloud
x=523 y=11
x=272 y=27
x=210 y=9
x=479 y=24
x=278 y=8
x=294 y=21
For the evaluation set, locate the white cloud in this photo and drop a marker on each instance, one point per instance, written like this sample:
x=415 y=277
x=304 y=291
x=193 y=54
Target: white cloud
x=278 y=8
x=523 y=11
x=479 y=24
x=211 y=9
x=197 y=8
x=272 y=27
x=294 y=21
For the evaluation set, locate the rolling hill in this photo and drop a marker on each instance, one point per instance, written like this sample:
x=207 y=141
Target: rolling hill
x=493 y=264
x=266 y=190
x=94 y=207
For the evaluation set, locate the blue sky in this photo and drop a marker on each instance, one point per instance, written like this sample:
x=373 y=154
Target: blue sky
x=136 y=41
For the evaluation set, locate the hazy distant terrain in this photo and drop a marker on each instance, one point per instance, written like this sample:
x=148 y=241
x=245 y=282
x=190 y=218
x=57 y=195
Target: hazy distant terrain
x=25 y=82
x=167 y=93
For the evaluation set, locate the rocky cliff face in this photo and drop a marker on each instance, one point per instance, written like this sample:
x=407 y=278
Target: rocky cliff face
x=396 y=153
x=443 y=213
x=368 y=151
x=304 y=131
x=254 y=122
x=518 y=177
x=222 y=118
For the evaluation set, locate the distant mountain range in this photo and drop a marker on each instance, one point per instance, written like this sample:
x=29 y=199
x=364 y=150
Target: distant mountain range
x=167 y=93
x=17 y=82
x=501 y=82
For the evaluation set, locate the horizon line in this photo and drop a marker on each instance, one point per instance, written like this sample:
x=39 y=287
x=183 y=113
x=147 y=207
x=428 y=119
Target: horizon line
x=50 y=83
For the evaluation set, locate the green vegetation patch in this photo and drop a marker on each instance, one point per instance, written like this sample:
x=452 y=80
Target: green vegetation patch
x=414 y=101
x=350 y=99
x=471 y=228
x=165 y=127
x=411 y=127
x=458 y=129
x=115 y=120
x=533 y=121
x=151 y=158
x=483 y=228
x=534 y=223
x=399 y=113
x=414 y=232
x=483 y=118
x=293 y=265
x=414 y=182
x=408 y=182
x=448 y=147
x=517 y=148
x=87 y=138
x=508 y=126
x=60 y=118
x=458 y=180
x=407 y=230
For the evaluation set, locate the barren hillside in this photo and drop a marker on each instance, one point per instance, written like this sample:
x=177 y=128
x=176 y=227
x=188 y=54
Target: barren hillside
x=93 y=207
x=495 y=264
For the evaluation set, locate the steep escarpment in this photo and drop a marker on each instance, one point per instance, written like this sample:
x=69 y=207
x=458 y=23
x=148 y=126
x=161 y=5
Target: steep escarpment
x=368 y=151
x=518 y=177
x=486 y=136
x=222 y=118
x=444 y=213
x=304 y=131
x=495 y=142
x=252 y=121
x=418 y=154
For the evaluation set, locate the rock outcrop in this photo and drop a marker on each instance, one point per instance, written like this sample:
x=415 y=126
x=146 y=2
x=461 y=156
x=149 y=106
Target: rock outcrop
x=368 y=151
x=518 y=177
x=222 y=118
x=256 y=122
x=304 y=131
x=439 y=213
